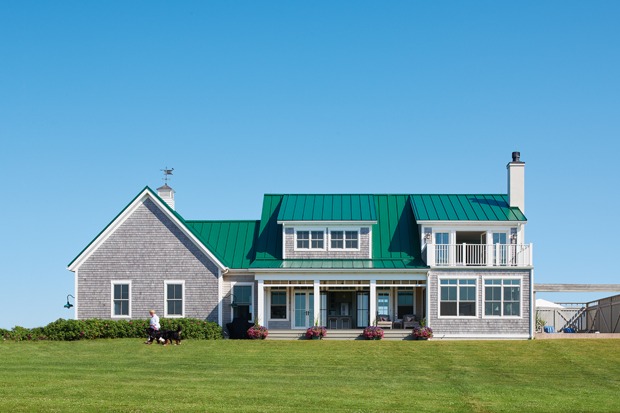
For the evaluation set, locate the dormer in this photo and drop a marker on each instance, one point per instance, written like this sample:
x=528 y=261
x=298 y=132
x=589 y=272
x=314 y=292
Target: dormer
x=327 y=226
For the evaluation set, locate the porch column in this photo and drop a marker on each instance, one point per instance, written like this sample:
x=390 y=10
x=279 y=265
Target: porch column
x=490 y=251
x=372 y=312
x=260 y=305
x=317 y=302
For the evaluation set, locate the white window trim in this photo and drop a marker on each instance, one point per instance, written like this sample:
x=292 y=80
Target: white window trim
x=310 y=230
x=507 y=317
x=269 y=305
x=166 y=283
x=252 y=304
x=344 y=239
x=458 y=293
x=112 y=284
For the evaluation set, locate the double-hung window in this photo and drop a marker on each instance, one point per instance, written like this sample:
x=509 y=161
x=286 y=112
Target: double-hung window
x=121 y=294
x=457 y=298
x=502 y=297
x=310 y=240
x=316 y=240
x=174 y=298
x=344 y=240
x=351 y=240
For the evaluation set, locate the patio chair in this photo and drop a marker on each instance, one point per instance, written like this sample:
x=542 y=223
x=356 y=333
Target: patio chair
x=384 y=321
x=410 y=321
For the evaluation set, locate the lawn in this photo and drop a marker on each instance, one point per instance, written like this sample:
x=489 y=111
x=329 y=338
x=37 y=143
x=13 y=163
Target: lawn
x=346 y=376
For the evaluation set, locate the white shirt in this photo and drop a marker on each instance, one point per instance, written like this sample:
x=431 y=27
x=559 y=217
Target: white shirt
x=154 y=323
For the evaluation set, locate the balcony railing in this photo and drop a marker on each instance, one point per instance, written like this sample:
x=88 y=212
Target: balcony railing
x=481 y=255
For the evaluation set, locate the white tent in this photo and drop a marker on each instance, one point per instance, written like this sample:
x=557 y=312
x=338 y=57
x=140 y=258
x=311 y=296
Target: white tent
x=540 y=303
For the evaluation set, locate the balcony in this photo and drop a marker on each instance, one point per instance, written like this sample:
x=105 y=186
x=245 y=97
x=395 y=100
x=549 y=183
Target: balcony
x=478 y=255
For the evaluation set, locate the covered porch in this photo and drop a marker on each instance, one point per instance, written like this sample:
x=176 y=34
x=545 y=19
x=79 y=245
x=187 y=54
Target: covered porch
x=339 y=301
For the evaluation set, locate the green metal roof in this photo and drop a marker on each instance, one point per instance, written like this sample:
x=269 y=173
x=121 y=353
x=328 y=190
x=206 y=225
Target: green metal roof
x=334 y=264
x=327 y=207
x=464 y=208
x=269 y=241
x=395 y=236
x=232 y=242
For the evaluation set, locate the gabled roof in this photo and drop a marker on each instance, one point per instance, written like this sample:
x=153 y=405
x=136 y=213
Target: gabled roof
x=126 y=212
x=475 y=207
x=232 y=242
x=328 y=207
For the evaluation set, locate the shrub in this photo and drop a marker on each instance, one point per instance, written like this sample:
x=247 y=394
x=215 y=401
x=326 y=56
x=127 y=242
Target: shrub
x=422 y=333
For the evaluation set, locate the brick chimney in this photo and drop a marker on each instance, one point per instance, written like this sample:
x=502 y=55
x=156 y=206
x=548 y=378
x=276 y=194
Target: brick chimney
x=516 y=182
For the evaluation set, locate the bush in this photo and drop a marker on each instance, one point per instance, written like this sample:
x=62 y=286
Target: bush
x=93 y=328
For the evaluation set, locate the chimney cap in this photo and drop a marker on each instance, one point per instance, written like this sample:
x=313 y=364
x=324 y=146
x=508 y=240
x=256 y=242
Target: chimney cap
x=516 y=157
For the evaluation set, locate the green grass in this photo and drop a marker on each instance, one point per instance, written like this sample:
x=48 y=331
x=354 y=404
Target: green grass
x=349 y=376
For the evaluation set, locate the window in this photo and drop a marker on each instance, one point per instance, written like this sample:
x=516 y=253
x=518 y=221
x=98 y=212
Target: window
x=405 y=304
x=317 y=240
x=337 y=239
x=242 y=301
x=383 y=303
x=502 y=297
x=344 y=240
x=350 y=239
x=310 y=240
x=303 y=239
x=458 y=298
x=121 y=293
x=174 y=298
x=500 y=250
x=278 y=304
x=442 y=239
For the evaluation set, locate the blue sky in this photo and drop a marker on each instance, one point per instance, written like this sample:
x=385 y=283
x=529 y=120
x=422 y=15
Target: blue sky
x=246 y=98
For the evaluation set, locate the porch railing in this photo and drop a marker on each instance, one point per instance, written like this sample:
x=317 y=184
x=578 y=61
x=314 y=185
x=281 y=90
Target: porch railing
x=496 y=255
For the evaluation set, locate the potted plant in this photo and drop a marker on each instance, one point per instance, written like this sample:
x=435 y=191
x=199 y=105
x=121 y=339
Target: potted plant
x=422 y=333
x=257 y=332
x=316 y=332
x=373 y=333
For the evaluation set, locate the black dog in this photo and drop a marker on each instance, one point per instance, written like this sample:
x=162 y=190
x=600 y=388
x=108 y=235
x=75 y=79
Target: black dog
x=169 y=335
x=164 y=336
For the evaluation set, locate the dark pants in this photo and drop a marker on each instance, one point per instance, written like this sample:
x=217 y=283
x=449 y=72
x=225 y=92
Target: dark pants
x=151 y=333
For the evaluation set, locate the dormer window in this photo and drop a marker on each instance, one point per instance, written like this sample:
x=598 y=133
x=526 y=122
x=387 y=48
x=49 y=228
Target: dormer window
x=344 y=240
x=314 y=240
x=317 y=241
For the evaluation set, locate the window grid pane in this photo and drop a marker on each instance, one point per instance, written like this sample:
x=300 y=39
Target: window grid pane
x=175 y=299
x=121 y=299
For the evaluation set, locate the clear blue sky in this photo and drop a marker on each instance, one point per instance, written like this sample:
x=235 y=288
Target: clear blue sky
x=246 y=98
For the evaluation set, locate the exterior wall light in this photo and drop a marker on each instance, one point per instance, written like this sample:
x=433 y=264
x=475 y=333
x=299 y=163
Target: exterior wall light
x=69 y=305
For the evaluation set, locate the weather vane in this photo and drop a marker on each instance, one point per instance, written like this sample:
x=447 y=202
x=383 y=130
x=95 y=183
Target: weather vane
x=167 y=172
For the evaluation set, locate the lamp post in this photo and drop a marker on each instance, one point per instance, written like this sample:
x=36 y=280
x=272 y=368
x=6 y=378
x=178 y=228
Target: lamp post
x=69 y=305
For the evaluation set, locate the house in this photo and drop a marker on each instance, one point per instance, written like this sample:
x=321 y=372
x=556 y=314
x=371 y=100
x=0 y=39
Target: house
x=343 y=260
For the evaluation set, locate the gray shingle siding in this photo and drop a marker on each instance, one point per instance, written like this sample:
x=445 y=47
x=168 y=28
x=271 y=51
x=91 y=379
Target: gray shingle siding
x=479 y=325
x=148 y=249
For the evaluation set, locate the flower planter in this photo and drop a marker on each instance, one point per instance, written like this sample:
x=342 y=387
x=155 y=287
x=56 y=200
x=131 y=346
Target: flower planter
x=316 y=337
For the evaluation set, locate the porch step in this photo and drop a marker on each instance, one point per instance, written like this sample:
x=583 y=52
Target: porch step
x=393 y=334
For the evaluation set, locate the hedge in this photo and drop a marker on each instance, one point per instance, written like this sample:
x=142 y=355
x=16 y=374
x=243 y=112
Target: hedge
x=93 y=328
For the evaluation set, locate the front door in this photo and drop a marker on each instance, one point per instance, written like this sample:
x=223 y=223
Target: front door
x=304 y=309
